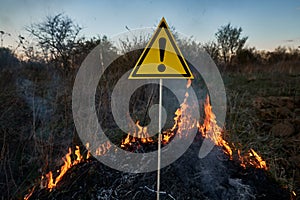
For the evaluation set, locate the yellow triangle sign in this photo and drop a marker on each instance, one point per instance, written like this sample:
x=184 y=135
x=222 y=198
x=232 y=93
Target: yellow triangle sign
x=161 y=58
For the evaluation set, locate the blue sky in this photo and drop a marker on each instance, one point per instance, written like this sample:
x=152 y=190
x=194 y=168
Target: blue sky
x=267 y=23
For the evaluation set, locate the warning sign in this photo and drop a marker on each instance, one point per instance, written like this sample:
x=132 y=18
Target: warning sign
x=161 y=58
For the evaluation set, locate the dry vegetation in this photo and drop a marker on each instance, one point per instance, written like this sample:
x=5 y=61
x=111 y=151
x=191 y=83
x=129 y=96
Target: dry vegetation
x=264 y=114
x=36 y=128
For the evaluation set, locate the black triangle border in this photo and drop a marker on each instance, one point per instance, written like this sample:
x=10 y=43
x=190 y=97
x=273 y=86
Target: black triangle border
x=185 y=67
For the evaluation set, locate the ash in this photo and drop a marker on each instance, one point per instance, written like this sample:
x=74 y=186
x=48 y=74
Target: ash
x=214 y=177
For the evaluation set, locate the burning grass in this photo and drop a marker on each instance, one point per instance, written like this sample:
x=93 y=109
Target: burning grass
x=139 y=137
x=245 y=130
x=211 y=130
x=257 y=104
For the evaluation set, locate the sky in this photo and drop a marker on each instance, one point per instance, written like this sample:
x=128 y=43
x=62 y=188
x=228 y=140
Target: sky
x=268 y=24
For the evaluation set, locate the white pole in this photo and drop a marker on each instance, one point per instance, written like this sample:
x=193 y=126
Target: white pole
x=159 y=138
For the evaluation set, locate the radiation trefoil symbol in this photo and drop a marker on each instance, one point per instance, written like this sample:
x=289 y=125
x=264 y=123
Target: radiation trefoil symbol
x=160 y=60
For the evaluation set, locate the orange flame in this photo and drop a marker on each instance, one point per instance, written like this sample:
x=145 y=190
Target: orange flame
x=211 y=130
x=182 y=119
x=241 y=159
x=27 y=196
x=252 y=158
x=189 y=83
x=167 y=135
x=88 y=155
x=78 y=156
x=126 y=141
x=52 y=182
x=182 y=122
x=67 y=165
x=101 y=150
x=258 y=162
x=139 y=133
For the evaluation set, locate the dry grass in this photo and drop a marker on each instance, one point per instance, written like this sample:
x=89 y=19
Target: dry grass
x=247 y=128
x=29 y=143
x=31 y=146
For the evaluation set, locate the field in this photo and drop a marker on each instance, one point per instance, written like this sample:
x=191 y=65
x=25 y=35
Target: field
x=264 y=114
x=36 y=121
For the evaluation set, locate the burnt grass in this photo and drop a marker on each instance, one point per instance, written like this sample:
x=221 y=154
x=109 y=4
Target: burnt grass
x=214 y=177
x=36 y=130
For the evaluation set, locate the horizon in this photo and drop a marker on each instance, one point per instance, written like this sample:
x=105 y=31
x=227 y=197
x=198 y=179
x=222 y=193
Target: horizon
x=268 y=25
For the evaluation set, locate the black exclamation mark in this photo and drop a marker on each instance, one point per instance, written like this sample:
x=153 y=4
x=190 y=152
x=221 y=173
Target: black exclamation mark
x=162 y=46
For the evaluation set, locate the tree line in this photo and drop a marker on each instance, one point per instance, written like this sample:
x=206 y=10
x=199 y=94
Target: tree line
x=57 y=40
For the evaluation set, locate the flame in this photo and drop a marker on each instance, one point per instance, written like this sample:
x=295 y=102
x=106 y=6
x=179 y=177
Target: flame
x=139 y=134
x=211 y=130
x=67 y=165
x=189 y=83
x=126 y=141
x=241 y=159
x=88 y=155
x=78 y=156
x=182 y=123
x=102 y=149
x=167 y=135
x=143 y=133
x=252 y=158
x=258 y=162
x=27 y=196
x=182 y=120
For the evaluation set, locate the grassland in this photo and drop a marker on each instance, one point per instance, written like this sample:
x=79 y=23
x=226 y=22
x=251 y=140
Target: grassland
x=36 y=121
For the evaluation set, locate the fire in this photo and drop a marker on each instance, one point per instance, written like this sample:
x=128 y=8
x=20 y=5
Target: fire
x=139 y=134
x=27 y=196
x=182 y=121
x=189 y=83
x=169 y=134
x=241 y=159
x=67 y=165
x=88 y=155
x=101 y=150
x=51 y=181
x=211 y=130
x=257 y=161
x=143 y=133
x=252 y=158
x=78 y=156
x=126 y=141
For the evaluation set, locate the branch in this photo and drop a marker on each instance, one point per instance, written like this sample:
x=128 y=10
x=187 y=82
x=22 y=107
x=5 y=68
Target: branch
x=160 y=192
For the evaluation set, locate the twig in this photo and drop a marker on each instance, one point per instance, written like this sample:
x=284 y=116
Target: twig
x=151 y=190
x=135 y=194
x=171 y=197
x=161 y=192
